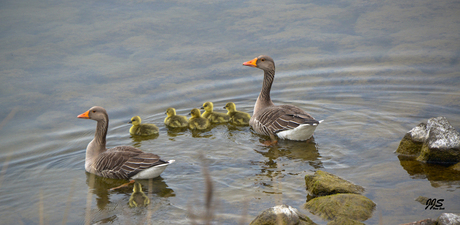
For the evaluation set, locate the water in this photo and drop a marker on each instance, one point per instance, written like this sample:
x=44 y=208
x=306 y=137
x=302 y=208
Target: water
x=371 y=70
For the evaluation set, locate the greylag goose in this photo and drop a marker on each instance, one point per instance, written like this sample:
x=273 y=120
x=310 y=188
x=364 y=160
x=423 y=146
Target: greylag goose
x=145 y=129
x=284 y=121
x=237 y=117
x=197 y=122
x=213 y=117
x=121 y=162
x=175 y=121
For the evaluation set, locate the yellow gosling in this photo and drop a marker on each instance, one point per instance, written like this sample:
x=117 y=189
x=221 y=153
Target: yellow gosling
x=214 y=117
x=197 y=122
x=139 y=129
x=175 y=121
x=237 y=117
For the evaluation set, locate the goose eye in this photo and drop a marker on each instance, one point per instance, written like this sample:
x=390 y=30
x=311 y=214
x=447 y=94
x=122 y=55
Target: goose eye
x=262 y=59
x=94 y=111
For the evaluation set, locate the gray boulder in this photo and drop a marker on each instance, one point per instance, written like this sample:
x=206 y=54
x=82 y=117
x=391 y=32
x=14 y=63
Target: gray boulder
x=449 y=219
x=282 y=215
x=435 y=142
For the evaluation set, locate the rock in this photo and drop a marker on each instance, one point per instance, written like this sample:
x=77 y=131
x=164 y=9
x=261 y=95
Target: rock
x=422 y=200
x=422 y=222
x=442 y=144
x=435 y=142
x=352 y=206
x=324 y=183
x=282 y=215
x=344 y=221
x=412 y=142
x=455 y=167
x=449 y=219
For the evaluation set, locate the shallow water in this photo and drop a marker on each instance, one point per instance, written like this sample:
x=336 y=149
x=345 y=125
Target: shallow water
x=371 y=70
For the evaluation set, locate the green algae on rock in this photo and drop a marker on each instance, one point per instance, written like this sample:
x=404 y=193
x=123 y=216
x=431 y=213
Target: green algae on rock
x=353 y=206
x=324 y=183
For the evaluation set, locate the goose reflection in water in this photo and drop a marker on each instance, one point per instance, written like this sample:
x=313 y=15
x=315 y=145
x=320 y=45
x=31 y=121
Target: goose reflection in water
x=101 y=186
x=271 y=167
x=138 y=197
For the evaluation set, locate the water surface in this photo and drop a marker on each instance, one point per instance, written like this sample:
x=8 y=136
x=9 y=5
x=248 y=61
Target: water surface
x=371 y=70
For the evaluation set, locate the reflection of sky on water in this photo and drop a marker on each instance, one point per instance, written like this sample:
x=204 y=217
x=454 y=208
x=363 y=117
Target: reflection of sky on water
x=371 y=69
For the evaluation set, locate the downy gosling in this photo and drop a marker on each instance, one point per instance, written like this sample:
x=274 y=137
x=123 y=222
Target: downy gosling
x=139 y=129
x=214 y=117
x=197 y=122
x=237 y=117
x=175 y=121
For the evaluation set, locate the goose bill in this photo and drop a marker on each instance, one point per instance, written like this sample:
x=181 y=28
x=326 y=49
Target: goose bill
x=84 y=115
x=252 y=63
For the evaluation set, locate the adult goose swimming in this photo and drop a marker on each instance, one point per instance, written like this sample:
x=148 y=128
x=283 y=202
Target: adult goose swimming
x=282 y=121
x=121 y=162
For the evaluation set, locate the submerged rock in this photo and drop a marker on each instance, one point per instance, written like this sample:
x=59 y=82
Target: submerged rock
x=436 y=141
x=324 y=183
x=352 y=206
x=455 y=167
x=282 y=215
x=449 y=219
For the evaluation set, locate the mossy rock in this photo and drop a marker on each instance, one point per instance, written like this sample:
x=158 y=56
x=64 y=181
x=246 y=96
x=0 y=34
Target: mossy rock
x=324 y=183
x=434 y=142
x=282 y=215
x=455 y=167
x=344 y=221
x=352 y=206
x=412 y=142
x=408 y=146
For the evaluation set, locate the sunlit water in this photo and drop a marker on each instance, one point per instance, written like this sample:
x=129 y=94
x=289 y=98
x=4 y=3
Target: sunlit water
x=370 y=70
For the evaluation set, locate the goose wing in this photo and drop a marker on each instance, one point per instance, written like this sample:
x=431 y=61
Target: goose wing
x=274 y=119
x=124 y=162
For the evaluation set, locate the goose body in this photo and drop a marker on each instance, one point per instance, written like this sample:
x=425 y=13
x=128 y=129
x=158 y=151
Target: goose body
x=144 y=129
x=213 y=117
x=237 y=117
x=175 y=121
x=284 y=121
x=197 y=122
x=121 y=162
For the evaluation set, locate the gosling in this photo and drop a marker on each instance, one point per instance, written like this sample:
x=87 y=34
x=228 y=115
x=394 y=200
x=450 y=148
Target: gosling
x=237 y=117
x=214 y=117
x=139 y=129
x=197 y=122
x=175 y=121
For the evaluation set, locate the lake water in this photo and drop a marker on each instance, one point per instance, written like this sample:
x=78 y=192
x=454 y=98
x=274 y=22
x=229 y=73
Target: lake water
x=371 y=70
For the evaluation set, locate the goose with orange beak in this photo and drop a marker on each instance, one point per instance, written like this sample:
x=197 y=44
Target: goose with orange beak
x=278 y=121
x=121 y=162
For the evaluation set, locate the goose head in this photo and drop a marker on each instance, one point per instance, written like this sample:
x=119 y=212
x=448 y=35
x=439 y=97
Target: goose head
x=170 y=112
x=262 y=62
x=207 y=106
x=95 y=113
x=231 y=107
x=136 y=120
